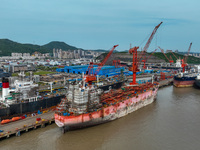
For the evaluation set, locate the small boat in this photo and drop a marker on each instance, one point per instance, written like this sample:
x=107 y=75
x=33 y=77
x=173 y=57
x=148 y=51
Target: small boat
x=5 y=121
x=16 y=118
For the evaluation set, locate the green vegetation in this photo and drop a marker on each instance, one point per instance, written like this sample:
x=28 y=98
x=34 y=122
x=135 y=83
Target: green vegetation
x=35 y=73
x=7 y=47
x=43 y=72
x=46 y=68
x=59 y=45
x=190 y=60
x=102 y=56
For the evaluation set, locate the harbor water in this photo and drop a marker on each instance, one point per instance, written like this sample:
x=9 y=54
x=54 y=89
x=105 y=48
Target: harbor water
x=172 y=122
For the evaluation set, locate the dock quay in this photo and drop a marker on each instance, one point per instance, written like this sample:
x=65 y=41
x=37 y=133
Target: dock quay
x=25 y=125
x=165 y=82
x=19 y=127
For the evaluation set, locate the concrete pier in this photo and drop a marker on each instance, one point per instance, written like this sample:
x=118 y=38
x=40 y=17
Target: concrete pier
x=19 y=127
x=165 y=82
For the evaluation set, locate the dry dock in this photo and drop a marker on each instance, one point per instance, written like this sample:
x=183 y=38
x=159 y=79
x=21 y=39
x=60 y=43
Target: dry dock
x=20 y=126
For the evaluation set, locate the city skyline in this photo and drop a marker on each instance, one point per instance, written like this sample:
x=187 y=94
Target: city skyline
x=100 y=25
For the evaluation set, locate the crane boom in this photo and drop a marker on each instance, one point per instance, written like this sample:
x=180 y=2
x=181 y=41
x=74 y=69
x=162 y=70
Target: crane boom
x=171 y=60
x=149 y=40
x=188 y=52
x=174 y=54
x=151 y=37
x=90 y=75
x=151 y=54
x=164 y=53
x=144 y=60
x=104 y=61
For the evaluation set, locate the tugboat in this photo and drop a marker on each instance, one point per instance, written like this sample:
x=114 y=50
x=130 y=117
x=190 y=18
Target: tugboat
x=89 y=105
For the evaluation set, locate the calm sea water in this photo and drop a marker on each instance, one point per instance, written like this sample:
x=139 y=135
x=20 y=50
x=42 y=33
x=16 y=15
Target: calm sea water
x=170 y=123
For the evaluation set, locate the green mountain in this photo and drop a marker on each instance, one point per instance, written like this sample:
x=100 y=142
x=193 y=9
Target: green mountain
x=7 y=47
x=59 y=45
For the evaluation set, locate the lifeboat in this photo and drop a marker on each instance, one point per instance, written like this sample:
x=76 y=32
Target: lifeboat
x=16 y=118
x=5 y=121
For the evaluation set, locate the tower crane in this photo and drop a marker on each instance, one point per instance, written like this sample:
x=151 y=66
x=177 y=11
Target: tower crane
x=90 y=73
x=135 y=63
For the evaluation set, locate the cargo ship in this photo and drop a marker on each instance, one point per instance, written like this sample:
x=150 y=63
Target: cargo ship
x=89 y=105
x=197 y=81
x=23 y=98
x=184 y=79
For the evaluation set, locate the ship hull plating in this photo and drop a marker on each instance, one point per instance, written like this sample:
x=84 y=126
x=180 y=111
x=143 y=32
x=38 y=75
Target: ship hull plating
x=183 y=83
x=106 y=114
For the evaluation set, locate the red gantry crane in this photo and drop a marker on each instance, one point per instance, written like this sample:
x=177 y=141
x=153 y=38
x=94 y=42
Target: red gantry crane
x=90 y=73
x=184 y=60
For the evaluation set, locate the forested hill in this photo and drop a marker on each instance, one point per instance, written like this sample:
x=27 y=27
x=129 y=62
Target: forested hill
x=157 y=57
x=7 y=47
x=190 y=60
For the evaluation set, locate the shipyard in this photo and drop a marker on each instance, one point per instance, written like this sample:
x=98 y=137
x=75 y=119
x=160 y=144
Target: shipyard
x=99 y=75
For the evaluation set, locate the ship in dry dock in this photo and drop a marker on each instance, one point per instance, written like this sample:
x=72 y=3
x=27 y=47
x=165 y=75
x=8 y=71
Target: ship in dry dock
x=89 y=105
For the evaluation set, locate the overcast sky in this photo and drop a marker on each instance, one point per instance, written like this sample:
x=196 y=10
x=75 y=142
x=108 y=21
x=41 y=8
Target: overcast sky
x=100 y=24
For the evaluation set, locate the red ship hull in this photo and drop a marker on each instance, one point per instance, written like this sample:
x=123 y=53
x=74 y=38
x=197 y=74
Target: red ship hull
x=106 y=114
x=183 y=83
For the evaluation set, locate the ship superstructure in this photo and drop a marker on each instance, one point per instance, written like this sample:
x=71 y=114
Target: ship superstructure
x=22 y=91
x=23 y=97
